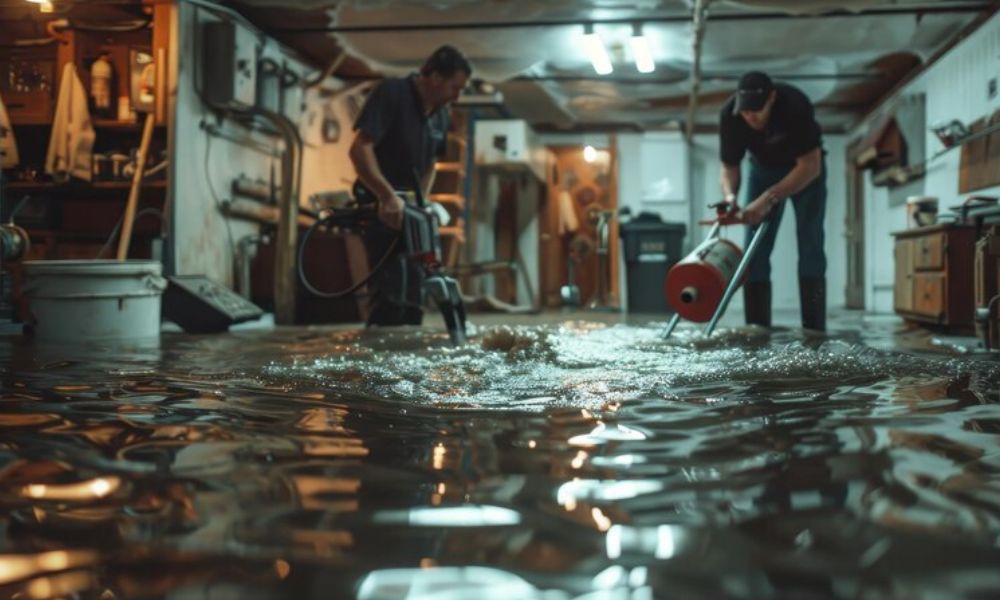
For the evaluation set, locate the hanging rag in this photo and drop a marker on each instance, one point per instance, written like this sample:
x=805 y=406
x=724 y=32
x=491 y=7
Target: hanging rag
x=73 y=134
x=568 y=222
x=8 y=146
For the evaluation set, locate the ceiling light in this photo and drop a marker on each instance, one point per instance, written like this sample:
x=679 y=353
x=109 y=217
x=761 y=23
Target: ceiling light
x=595 y=51
x=589 y=153
x=640 y=50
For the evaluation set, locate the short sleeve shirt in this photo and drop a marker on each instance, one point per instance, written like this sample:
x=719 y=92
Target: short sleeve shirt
x=406 y=139
x=791 y=132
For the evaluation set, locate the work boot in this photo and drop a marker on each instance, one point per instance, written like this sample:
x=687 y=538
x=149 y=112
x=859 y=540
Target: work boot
x=757 y=303
x=812 y=301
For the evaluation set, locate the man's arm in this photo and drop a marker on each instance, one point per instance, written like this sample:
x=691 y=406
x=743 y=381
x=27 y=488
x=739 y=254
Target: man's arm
x=807 y=168
x=729 y=178
x=362 y=154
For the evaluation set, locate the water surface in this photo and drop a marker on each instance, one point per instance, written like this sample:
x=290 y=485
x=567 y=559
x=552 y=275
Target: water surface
x=573 y=460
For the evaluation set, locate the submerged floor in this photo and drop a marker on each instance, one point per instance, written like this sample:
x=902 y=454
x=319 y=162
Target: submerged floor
x=567 y=456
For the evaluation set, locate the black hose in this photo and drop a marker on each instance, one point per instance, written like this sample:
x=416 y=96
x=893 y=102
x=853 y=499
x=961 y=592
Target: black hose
x=349 y=290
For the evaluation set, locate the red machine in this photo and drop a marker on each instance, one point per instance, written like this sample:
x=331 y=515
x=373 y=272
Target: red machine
x=700 y=286
x=694 y=286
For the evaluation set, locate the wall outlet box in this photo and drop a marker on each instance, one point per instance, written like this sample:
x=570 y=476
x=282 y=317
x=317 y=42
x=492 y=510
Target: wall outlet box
x=229 y=65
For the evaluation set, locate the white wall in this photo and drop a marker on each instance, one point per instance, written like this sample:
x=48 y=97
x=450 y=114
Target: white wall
x=955 y=88
x=204 y=166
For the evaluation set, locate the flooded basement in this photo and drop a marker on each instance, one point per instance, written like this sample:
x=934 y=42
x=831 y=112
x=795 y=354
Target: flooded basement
x=576 y=459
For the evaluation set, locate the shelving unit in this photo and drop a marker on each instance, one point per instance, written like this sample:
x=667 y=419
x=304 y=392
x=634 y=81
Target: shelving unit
x=74 y=219
x=449 y=184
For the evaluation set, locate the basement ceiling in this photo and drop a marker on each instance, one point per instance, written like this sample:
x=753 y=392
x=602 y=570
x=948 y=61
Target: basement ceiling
x=844 y=54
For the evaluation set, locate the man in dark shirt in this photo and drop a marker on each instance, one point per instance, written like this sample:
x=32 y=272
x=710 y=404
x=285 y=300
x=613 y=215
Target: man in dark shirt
x=775 y=123
x=400 y=131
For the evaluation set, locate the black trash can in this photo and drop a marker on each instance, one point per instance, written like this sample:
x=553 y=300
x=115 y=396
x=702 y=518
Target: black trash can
x=651 y=248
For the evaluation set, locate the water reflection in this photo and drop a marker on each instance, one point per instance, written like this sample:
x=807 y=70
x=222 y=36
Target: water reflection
x=574 y=461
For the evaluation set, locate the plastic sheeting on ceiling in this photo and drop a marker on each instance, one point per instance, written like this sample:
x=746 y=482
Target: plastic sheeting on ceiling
x=822 y=55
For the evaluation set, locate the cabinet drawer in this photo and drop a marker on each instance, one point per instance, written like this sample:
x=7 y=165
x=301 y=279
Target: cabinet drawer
x=929 y=252
x=929 y=294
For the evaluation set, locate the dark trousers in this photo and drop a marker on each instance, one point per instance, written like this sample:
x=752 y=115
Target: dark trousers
x=396 y=289
x=810 y=209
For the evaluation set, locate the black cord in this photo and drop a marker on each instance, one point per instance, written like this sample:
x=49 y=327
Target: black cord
x=18 y=208
x=118 y=226
x=215 y=197
x=349 y=290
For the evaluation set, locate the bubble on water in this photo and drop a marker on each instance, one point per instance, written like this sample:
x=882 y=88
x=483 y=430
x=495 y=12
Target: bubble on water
x=589 y=365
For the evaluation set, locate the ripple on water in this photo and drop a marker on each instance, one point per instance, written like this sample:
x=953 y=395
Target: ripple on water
x=569 y=461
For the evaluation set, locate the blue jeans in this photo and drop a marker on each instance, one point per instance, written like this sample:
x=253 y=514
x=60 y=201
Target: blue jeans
x=810 y=209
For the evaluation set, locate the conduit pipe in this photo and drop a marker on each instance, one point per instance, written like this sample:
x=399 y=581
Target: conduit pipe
x=699 y=16
x=286 y=248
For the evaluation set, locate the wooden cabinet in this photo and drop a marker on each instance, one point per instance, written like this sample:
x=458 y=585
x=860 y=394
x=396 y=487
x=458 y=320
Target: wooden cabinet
x=933 y=282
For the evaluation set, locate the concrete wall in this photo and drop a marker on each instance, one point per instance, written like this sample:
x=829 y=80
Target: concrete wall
x=956 y=87
x=204 y=166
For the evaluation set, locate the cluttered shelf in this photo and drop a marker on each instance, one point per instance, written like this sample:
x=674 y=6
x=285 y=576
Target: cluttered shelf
x=77 y=187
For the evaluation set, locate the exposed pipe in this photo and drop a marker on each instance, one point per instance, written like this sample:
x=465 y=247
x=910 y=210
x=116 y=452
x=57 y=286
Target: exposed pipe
x=681 y=78
x=288 y=217
x=327 y=72
x=245 y=257
x=699 y=16
x=899 y=10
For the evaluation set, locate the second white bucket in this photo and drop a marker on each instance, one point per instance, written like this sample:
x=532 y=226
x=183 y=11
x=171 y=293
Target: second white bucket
x=84 y=300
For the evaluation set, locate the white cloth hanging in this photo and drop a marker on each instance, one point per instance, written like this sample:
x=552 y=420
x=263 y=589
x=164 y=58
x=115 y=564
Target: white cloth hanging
x=568 y=223
x=8 y=146
x=72 y=141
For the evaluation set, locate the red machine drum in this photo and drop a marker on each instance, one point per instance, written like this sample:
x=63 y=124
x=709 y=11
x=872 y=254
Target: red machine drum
x=694 y=286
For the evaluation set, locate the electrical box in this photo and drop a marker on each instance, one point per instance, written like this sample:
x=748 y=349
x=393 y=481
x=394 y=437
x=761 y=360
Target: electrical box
x=509 y=143
x=229 y=65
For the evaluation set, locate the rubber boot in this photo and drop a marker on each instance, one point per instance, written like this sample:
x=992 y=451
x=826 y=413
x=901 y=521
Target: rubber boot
x=757 y=303
x=812 y=301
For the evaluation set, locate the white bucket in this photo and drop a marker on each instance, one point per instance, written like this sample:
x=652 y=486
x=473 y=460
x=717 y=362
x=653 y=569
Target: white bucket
x=83 y=300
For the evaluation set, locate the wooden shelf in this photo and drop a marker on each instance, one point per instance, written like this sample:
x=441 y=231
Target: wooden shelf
x=450 y=167
x=455 y=199
x=80 y=186
x=115 y=124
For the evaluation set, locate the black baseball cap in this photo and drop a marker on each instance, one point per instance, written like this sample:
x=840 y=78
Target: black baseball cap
x=752 y=92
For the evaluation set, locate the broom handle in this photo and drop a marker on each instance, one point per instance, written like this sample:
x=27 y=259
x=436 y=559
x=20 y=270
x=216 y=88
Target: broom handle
x=133 y=194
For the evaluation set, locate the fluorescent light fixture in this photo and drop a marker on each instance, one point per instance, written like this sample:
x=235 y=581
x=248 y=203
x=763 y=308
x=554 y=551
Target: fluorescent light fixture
x=641 y=52
x=594 y=47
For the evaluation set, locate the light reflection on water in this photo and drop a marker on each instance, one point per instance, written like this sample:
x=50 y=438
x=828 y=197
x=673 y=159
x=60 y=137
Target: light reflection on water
x=546 y=462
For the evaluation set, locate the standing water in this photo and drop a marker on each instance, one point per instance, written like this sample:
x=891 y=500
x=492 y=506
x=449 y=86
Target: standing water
x=578 y=460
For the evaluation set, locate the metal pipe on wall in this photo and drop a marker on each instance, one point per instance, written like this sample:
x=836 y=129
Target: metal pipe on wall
x=288 y=213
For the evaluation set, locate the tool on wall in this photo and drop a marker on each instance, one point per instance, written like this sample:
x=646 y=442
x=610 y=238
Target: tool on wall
x=700 y=286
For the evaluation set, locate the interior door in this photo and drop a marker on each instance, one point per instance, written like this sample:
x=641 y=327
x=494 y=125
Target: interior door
x=854 y=232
